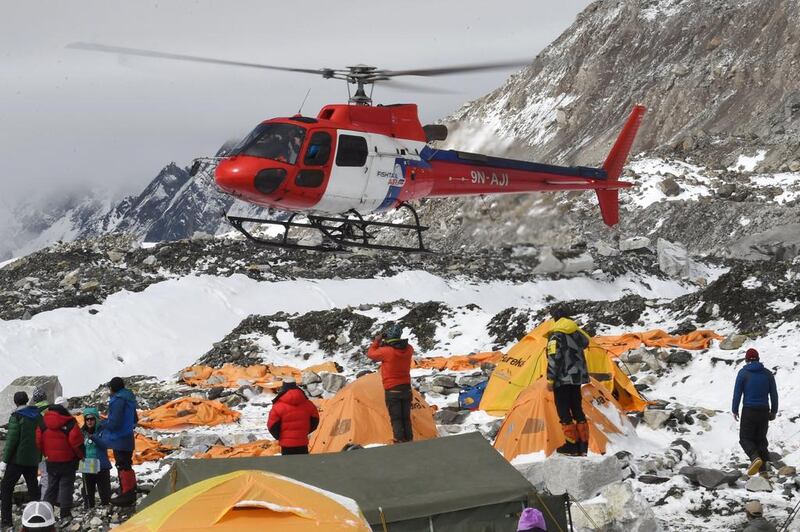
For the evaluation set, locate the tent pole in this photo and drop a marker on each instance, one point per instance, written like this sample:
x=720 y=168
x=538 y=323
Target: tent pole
x=383 y=519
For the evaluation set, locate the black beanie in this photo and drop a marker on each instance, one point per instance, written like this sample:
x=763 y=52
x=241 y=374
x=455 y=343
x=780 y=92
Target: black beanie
x=116 y=384
x=20 y=398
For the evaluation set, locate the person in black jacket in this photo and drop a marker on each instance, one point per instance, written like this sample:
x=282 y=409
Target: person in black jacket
x=20 y=454
x=566 y=373
x=757 y=384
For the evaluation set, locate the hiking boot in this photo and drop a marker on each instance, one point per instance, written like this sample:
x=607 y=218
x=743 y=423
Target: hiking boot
x=125 y=499
x=755 y=466
x=569 y=449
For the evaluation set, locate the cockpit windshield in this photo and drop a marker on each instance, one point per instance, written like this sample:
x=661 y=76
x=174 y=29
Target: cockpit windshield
x=280 y=142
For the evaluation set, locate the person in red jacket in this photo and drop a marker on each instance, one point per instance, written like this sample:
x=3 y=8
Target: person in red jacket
x=292 y=418
x=394 y=354
x=61 y=442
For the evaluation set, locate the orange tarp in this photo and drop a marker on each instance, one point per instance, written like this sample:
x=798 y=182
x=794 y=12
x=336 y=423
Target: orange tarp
x=657 y=338
x=532 y=425
x=457 y=363
x=357 y=414
x=243 y=450
x=148 y=450
x=245 y=501
x=187 y=411
x=233 y=376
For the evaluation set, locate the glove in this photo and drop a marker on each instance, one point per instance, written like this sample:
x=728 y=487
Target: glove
x=736 y=416
x=772 y=416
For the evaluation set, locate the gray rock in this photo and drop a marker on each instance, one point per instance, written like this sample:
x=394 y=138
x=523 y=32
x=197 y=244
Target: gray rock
x=215 y=392
x=652 y=479
x=548 y=263
x=315 y=389
x=201 y=441
x=655 y=419
x=636 y=242
x=445 y=381
x=670 y=187
x=115 y=255
x=679 y=357
x=470 y=380
x=582 y=478
x=150 y=260
x=673 y=259
x=309 y=377
x=201 y=236
x=709 y=478
x=758 y=483
x=733 y=341
x=89 y=286
x=782 y=243
x=50 y=383
x=621 y=509
x=333 y=382
x=633 y=356
x=606 y=250
x=447 y=416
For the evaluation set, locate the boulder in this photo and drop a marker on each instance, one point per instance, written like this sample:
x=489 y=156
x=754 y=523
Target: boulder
x=673 y=259
x=758 y=483
x=445 y=381
x=655 y=419
x=201 y=236
x=333 y=382
x=606 y=250
x=50 y=383
x=448 y=416
x=679 y=357
x=636 y=242
x=781 y=243
x=309 y=377
x=733 y=341
x=618 y=508
x=653 y=479
x=580 y=477
x=709 y=478
x=787 y=471
x=548 y=263
x=670 y=187
x=199 y=443
x=115 y=256
x=150 y=260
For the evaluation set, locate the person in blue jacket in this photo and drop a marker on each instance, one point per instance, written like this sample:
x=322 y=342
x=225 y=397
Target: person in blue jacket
x=116 y=433
x=760 y=406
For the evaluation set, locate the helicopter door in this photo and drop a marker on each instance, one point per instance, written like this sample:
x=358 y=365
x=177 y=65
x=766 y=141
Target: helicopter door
x=349 y=174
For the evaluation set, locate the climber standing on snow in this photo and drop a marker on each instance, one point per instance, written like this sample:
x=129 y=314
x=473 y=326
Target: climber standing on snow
x=117 y=434
x=760 y=406
x=394 y=354
x=566 y=373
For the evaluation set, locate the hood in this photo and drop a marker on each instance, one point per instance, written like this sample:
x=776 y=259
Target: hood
x=754 y=366
x=564 y=325
x=54 y=419
x=399 y=343
x=30 y=412
x=293 y=396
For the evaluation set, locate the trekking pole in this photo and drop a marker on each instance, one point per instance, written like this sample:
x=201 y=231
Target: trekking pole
x=791 y=517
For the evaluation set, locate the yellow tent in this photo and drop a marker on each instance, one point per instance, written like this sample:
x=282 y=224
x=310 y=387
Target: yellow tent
x=532 y=425
x=357 y=414
x=250 y=500
x=526 y=362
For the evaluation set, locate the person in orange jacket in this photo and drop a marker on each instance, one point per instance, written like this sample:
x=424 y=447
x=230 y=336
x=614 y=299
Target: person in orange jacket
x=394 y=354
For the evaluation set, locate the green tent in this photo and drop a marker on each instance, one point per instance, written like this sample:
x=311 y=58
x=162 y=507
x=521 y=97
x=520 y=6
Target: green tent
x=455 y=483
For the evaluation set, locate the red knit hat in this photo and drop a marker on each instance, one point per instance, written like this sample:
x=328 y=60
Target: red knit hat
x=751 y=354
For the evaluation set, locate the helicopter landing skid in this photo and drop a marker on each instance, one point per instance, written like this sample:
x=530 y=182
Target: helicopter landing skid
x=338 y=233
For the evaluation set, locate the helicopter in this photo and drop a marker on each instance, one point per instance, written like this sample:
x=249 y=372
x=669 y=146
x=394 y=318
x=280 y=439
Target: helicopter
x=330 y=172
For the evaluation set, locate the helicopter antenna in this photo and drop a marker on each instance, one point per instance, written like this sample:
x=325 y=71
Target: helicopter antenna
x=300 y=111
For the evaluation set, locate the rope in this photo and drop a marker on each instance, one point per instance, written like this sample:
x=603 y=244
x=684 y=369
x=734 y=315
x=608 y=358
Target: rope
x=549 y=513
x=584 y=512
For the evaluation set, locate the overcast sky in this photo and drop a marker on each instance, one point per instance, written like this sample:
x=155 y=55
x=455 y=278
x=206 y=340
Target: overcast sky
x=70 y=117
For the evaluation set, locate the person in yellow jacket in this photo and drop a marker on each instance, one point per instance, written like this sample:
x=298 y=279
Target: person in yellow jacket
x=566 y=373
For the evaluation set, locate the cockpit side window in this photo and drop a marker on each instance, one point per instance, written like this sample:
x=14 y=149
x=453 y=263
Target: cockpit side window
x=319 y=149
x=281 y=142
x=352 y=151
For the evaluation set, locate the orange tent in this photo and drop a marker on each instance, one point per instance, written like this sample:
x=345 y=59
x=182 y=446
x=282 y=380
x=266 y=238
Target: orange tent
x=187 y=411
x=617 y=345
x=250 y=501
x=532 y=425
x=457 y=363
x=243 y=450
x=233 y=376
x=526 y=362
x=357 y=414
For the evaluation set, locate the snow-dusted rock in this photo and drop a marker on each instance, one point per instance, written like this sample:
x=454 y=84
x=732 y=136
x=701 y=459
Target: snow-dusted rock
x=758 y=483
x=606 y=250
x=115 y=255
x=150 y=260
x=309 y=377
x=50 y=384
x=633 y=243
x=199 y=442
x=674 y=260
x=548 y=263
x=709 y=478
x=580 y=477
x=655 y=419
x=617 y=508
x=333 y=382
x=733 y=341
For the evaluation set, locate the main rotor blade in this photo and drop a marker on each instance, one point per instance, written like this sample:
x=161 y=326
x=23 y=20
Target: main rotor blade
x=93 y=47
x=401 y=85
x=442 y=71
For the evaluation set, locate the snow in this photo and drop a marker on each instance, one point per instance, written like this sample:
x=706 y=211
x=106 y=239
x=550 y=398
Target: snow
x=692 y=179
x=747 y=163
x=166 y=327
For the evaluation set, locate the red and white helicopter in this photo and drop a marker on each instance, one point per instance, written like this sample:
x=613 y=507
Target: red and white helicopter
x=358 y=159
